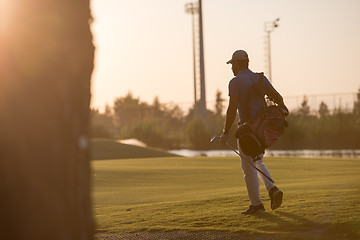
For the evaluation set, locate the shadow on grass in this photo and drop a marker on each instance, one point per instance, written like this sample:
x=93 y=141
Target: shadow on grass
x=297 y=221
x=302 y=228
x=285 y=221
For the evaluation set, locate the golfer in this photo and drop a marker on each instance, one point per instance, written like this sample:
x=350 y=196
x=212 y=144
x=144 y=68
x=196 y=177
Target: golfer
x=239 y=88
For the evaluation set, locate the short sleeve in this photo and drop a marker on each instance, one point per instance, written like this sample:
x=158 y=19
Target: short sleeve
x=267 y=83
x=233 y=89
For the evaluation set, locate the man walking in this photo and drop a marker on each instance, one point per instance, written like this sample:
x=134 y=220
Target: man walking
x=239 y=88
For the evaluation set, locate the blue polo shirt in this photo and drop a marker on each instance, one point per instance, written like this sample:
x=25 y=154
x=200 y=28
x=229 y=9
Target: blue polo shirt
x=240 y=86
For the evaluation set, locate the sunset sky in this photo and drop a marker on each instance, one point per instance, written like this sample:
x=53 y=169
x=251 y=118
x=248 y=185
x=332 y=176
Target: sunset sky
x=146 y=47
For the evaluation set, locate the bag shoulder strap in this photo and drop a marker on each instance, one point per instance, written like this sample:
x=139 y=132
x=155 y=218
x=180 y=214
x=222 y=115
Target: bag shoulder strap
x=259 y=87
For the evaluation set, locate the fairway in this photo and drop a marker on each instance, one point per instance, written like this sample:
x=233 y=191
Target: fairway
x=321 y=197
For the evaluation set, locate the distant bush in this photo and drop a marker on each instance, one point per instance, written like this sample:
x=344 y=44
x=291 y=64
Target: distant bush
x=100 y=131
x=337 y=131
x=197 y=133
x=153 y=133
x=166 y=126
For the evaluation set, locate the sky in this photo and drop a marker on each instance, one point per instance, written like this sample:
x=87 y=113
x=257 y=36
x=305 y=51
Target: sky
x=145 y=47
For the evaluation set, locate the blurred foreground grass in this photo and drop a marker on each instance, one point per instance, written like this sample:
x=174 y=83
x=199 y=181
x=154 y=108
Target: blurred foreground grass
x=321 y=197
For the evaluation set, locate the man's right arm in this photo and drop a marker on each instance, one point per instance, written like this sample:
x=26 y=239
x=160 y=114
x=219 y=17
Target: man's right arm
x=229 y=118
x=230 y=113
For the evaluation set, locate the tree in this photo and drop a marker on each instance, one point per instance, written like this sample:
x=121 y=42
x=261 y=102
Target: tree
x=197 y=133
x=128 y=110
x=304 y=109
x=356 y=109
x=157 y=108
x=102 y=123
x=219 y=105
x=173 y=112
x=323 y=109
x=46 y=61
x=108 y=110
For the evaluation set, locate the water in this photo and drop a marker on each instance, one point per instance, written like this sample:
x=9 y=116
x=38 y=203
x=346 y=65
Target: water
x=355 y=153
x=277 y=153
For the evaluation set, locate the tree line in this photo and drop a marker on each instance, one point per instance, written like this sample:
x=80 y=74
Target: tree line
x=167 y=126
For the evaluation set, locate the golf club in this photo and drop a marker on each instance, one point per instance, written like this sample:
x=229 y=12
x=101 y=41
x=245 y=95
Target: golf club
x=230 y=147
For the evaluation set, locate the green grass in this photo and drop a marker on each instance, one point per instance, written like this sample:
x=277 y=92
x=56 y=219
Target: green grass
x=321 y=197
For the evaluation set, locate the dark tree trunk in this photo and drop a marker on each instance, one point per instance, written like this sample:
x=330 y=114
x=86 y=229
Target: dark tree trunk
x=46 y=61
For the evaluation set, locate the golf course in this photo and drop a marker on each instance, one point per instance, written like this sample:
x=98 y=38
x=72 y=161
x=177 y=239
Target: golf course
x=208 y=194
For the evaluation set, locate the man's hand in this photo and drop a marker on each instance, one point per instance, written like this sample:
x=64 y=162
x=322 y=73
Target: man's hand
x=284 y=110
x=223 y=138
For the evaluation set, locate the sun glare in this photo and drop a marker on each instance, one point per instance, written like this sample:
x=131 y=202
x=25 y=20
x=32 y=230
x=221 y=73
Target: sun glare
x=6 y=9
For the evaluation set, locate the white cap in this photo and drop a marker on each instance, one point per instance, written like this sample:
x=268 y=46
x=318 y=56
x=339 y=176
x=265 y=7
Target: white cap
x=238 y=55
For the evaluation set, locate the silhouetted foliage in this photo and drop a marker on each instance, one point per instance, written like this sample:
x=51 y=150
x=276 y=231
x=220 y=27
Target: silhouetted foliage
x=356 y=110
x=166 y=126
x=128 y=110
x=102 y=125
x=198 y=134
x=157 y=124
x=323 y=110
x=305 y=108
x=219 y=104
x=337 y=131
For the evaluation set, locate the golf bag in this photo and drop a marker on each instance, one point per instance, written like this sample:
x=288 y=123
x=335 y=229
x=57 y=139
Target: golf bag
x=262 y=131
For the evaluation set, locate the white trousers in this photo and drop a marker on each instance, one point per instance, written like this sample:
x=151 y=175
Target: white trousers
x=251 y=176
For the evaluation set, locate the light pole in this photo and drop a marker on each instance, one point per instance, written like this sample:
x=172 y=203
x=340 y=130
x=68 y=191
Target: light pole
x=269 y=27
x=202 y=65
x=192 y=9
x=198 y=55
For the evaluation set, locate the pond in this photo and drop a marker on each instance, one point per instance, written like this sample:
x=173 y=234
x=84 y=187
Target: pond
x=345 y=153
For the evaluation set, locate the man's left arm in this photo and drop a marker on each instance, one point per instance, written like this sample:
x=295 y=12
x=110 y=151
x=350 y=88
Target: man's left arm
x=269 y=90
